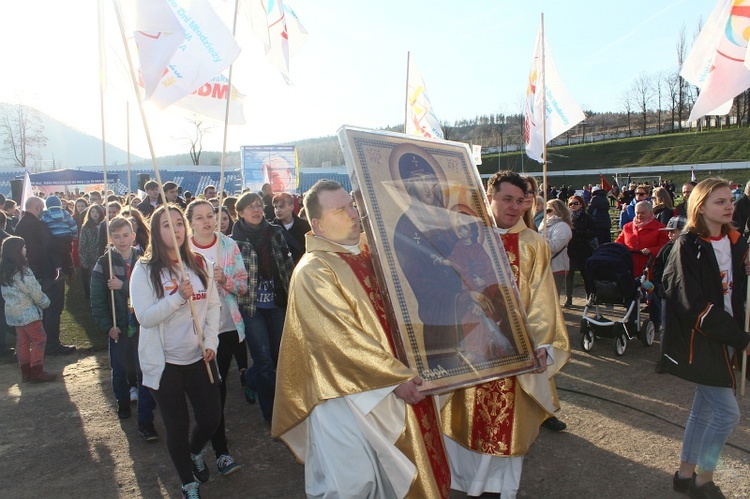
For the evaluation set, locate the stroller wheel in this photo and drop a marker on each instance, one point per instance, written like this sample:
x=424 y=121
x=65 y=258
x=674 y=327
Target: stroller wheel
x=621 y=344
x=587 y=340
x=648 y=331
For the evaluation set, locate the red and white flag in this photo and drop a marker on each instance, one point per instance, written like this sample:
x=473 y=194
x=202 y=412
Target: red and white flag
x=718 y=62
x=158 y=34
x=562 y=112
x=420 y=117
x=207 y=49
x=280 y=30
x=210 y=100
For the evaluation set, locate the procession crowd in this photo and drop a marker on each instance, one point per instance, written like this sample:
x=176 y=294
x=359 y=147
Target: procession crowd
x=184 y=288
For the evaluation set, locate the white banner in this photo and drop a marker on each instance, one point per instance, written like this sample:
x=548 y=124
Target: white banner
x=717 y=64
x=210 y=100
x=207 y=50
x=562 y=112
x=420 y=118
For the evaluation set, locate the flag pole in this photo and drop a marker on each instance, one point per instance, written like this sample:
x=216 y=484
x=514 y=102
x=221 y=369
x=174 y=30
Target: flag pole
x=743 y=381
x=127 y=115
x=406 y=100
x=104 y=154
x=180 y=263
x=224 y=146
x=544 y=125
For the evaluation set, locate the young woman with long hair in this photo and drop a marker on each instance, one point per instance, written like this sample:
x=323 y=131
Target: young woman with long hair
x=231 y=280
x=88 y=245
x=559 y=233
x=705 y=283
x=173 y=363
x=142 y=233
x=580 y=246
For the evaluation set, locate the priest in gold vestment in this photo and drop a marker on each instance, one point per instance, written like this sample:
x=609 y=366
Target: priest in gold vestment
x=345 y=406
x=491 y=426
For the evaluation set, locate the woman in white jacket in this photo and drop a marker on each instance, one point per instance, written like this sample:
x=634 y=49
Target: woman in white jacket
x=559 y=233
x=173 y=363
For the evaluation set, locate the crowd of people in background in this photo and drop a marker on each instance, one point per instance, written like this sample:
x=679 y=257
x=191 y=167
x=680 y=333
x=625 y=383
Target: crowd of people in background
x=216 y=272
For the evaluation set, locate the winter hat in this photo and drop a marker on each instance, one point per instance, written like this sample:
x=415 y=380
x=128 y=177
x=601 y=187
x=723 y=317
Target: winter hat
x=53 y=201
x=595 y=188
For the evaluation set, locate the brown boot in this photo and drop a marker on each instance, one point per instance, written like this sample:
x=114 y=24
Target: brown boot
x=38 y=375
x=25 y=372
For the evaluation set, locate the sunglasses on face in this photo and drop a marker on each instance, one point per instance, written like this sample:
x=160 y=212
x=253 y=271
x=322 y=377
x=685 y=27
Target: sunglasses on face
x=574 y=203
x=640 y=193
x=548 y=210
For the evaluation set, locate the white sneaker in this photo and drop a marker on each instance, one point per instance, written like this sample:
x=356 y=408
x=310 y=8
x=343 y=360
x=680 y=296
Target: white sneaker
x=133 y=395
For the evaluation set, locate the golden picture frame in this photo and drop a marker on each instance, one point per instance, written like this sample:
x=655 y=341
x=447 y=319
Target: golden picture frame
x=452 y=304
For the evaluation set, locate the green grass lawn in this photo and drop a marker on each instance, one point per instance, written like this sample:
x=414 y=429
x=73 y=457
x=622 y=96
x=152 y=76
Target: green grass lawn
x=76 y=325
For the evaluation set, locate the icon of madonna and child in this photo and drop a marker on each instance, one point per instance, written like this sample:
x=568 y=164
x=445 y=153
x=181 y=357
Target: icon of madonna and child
x=438 y=242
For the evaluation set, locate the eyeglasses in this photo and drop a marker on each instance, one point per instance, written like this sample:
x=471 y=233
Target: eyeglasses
x=574 y=203
x=640 y=193
x=255 y=207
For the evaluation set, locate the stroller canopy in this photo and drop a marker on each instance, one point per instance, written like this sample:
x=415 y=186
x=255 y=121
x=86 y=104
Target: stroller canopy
x=611 y=262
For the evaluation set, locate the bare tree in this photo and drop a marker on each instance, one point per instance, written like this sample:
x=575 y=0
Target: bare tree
x=194 y=138
x=641 y=97
x=660 y=90
x=22 y=132
x=682 y=89
x=672 y=82
x=627 y=106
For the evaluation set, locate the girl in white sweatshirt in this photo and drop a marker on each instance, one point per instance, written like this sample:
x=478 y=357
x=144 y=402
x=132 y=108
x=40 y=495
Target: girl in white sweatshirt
x=172 y=358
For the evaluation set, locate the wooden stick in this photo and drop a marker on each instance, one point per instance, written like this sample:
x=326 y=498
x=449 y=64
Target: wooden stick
x=544 y=128
x=406 y=106
x=747 y=329
x=180 y=263
x=224 y=146
x=102 y=76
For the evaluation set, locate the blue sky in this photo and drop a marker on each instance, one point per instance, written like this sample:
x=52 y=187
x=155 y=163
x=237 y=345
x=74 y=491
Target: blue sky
x=473 y=55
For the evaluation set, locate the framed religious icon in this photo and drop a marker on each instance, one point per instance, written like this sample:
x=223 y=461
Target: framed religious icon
x=448 y=289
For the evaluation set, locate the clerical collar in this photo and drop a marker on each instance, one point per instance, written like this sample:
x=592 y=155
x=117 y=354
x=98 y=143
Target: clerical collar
x=353 y=248
x=502 y=232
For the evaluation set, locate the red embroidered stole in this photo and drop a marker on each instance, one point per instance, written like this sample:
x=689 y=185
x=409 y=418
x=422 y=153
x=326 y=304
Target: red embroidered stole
x=425 y=411
x=494 y=401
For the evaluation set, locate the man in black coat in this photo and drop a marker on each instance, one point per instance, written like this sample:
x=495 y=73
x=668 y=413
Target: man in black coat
x=599 y=209
x=39 y=244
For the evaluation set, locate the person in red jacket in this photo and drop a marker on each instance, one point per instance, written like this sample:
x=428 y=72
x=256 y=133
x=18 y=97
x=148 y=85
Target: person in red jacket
x=644 y=238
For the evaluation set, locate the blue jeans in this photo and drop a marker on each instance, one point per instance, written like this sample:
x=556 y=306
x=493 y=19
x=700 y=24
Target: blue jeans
x=119 y=354
x=263 y=333
x=714 y=415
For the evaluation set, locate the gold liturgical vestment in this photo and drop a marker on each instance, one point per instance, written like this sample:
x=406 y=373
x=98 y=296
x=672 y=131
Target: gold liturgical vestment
x=335 y=343
x=502 y=417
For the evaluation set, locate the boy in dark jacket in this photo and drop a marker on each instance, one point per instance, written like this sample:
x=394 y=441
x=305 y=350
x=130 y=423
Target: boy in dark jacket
x=123 y=332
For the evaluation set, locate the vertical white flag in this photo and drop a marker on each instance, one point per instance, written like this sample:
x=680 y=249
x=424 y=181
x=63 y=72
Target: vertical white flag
x=420 y=118
x=158 y=34
x=27 y=192
x=281 y=31
x=718 y=62
x=208 y=49
x=562 y=112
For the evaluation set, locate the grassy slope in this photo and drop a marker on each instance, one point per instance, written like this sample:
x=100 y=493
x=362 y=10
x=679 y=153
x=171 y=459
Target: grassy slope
x=729 y=145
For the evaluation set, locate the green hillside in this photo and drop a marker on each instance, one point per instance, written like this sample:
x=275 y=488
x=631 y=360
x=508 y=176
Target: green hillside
x=713 y=146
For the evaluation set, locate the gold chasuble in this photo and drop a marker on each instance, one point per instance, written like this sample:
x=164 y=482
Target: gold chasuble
x=502 y=417
x=337 y=342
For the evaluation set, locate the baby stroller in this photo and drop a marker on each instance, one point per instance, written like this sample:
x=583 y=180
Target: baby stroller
x=610 y=282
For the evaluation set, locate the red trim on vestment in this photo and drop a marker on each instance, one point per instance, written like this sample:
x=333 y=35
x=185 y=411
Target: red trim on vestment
x=425 y=412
